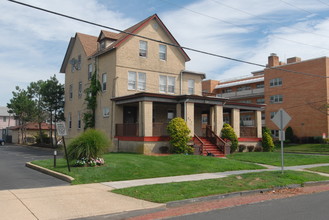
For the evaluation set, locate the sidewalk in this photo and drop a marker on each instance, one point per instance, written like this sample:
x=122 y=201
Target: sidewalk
x=83 y=201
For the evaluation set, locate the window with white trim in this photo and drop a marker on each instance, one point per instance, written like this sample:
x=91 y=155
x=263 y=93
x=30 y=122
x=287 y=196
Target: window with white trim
x=276 y=99
x=106 y=112
x=104 y=82
x=275 y=82
x=70 y=120
x=132 y=80
x=167 y=84
x=162 y=52
x=260 y=101
x=275 y=133
x=141 y=81
x=79 y=120
x=80 y=90
x=272 y=114
x=190 y=86
x=90 y=71
x=142 y=48
x=227 y=90
x=71 y=92
x=258 y=86
x=242 y=88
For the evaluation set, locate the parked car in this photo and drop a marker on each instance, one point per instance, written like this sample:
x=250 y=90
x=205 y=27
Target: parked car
x=2 y=142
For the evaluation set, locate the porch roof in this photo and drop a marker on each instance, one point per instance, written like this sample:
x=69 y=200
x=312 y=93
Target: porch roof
x=156 y=97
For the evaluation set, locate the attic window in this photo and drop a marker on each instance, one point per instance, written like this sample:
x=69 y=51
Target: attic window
x=102 y=45
x=142 y=48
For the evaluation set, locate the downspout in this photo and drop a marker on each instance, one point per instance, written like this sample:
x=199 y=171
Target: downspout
x=181 y=82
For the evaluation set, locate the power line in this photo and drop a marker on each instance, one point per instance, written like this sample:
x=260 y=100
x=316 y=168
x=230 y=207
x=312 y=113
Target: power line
x=227 y=22
x=162 y=42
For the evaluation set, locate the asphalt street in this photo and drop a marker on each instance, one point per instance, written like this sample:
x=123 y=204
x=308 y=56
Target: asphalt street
x=304 y=207
x=14 y=174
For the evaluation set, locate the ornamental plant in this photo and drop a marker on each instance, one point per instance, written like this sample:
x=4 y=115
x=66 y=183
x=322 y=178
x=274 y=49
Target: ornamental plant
x=228 y=133
x=267 y=141
x=179 y=136
x=88 y=147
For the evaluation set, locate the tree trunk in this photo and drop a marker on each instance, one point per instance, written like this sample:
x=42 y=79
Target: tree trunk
x=51 y=129
x=40 y=133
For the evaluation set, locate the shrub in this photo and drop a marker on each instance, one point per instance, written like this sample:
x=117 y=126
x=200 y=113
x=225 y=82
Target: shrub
x=250 y=148
x=258 y=149
x=242 y=147
x=228 y=133
x=326 y=140
x=179 y=136
x=88 y=146
x=267 y=141
x=289 y=135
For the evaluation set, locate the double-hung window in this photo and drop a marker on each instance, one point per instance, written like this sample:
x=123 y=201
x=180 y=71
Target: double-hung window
x=171 y=84
x=162 y=52
x=163 y=84
x=90 y=71
x=104 y=82
x=70 y=120
x=136 y=80
x=79 y=120
x=80 y=90
x=276 y=99
x=142 y=48
x=71 y=92
x=275 y=82
x=190 y=83
x=167 y=84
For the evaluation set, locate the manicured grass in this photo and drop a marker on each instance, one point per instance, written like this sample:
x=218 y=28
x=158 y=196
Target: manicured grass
x=274 y=158
x=162 y=193
x=307 y=148
x=124 y=166
x=320 y=169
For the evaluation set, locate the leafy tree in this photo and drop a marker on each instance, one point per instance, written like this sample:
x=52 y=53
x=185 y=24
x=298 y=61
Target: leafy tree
x=228 y=133
x=34 y=90
x=53 y=98
x=23 y=108
x=179 y=136
x=91 y=101
x=267 y=141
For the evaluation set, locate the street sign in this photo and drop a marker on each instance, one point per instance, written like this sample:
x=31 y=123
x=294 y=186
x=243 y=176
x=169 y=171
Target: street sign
x=278 y=120
x=61 y=129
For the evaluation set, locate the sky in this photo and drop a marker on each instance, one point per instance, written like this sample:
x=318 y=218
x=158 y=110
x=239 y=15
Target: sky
x=33 y=43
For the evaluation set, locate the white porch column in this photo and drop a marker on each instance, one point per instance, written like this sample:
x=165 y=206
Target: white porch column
x=236 y=121
x=190 y=117
x=145 y=116
x=212 y=117
x=258 y=123
x=179 y=110
x=218 y=119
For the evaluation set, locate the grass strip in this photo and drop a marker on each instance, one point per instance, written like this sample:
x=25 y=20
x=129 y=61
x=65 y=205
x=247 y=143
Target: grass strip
x=308 y=148
x=324 y=169
x=125 y=166
x=162 y=193
x=274 y=158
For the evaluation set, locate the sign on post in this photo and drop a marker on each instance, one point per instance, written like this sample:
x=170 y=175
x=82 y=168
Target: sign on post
x=281 y=119
x=61 y=131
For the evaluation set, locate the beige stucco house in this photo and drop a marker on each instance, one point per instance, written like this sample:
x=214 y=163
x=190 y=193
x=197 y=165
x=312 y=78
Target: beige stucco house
x=144 y=85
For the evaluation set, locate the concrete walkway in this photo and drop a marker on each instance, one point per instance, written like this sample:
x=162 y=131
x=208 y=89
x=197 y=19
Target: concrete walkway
x=202 y=176
x=81 y=201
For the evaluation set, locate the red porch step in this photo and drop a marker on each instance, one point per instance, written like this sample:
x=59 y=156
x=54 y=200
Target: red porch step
x=211 y=149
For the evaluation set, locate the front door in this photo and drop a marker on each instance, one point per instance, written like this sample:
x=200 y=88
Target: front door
x=130 y=115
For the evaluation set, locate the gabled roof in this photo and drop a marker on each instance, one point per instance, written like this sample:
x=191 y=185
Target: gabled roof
x=108 y=35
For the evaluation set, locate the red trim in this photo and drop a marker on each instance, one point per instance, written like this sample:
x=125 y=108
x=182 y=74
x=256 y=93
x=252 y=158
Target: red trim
x=249 y=139
x=146 y=139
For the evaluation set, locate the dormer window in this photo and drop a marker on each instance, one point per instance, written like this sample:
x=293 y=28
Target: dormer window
x=102 y=45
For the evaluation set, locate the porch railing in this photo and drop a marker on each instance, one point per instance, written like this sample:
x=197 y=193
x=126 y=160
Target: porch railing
x=160 y=129
x=248 y=131
x=127 y=130
x=198 y=143
x=219 y=142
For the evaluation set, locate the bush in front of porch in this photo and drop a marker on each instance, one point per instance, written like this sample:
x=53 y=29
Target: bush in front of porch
x=179 y=136
x=228 y=133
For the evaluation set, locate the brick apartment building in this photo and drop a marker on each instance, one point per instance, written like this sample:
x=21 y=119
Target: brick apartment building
x=299 y=87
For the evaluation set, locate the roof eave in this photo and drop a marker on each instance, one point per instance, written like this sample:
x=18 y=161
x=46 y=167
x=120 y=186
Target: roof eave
x=67 y=54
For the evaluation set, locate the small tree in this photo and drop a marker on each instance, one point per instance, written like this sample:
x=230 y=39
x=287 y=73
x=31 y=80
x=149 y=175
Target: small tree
x=267 y=141
x=228 y=133
x=179 y=136
x=289 y=134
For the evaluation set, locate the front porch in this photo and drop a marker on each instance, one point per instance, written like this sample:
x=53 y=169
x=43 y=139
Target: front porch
x=141 y=119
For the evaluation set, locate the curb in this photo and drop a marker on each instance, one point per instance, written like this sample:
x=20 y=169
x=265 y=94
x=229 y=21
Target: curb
x=49 y=172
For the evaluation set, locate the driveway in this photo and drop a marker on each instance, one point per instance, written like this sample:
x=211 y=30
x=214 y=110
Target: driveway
x=14 y=174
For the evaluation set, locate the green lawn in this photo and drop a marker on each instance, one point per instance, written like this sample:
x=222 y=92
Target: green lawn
x=124 y=166
x=307 y=148
x=236 y=183
x=320 y=169
x=274 y=158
